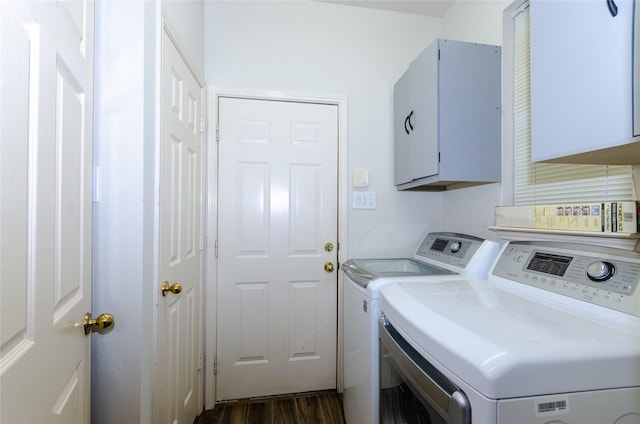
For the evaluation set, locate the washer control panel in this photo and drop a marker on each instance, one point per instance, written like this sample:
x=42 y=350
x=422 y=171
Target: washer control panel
x=605 y=276
x=472 y=254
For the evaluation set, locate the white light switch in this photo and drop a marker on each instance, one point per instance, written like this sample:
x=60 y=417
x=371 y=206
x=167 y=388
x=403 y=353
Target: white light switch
x=364 y=200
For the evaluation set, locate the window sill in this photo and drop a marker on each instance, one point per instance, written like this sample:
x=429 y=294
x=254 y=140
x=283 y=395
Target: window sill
x=627 y=241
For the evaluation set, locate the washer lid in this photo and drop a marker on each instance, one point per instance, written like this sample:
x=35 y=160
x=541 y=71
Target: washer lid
x=363 y=271
x=508 y=340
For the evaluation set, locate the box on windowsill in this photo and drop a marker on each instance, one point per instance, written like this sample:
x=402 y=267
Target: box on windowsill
x=599 y=217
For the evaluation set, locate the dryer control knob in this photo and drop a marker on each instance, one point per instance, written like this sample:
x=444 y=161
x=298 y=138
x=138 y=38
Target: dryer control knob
x=455 y=246
x=600 y=271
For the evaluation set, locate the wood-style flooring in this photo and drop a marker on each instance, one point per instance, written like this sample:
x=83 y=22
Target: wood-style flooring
x=306 y=408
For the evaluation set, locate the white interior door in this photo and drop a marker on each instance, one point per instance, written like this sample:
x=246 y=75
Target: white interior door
x=46 y=59
x=277 y=305
x=179 y=374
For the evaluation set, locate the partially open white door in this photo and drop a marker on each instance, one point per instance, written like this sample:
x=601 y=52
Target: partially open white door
x=179 y=372
x=46 y=59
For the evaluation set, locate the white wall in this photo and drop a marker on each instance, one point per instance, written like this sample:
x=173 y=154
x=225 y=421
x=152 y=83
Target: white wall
x=471 y=210
x=320 y=48
x=477 y=21
x=187 y=18
x=118 y=213
x=124 y=273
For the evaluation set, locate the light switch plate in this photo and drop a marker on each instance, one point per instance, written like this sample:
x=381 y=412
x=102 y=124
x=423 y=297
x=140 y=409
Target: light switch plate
x=364 y=200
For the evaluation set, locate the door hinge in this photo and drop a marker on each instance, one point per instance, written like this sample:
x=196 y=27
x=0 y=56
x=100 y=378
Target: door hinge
x=215 y=366
x=218 y=132
x=200 y=360
x=203 y=125
x=438 y=156
x=201 y=242
x=216 y=248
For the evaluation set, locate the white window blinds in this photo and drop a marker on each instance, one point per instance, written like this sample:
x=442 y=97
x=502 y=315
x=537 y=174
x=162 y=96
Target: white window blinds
x=540 y=183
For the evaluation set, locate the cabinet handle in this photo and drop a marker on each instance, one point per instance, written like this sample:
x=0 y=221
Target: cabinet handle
x=408 y=121
x=613 y=9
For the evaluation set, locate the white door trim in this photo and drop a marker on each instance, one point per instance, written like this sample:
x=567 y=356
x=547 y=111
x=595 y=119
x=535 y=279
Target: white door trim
x=212 y=214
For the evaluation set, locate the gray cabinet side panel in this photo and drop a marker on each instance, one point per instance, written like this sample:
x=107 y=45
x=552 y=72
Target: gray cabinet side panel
x=469 y=104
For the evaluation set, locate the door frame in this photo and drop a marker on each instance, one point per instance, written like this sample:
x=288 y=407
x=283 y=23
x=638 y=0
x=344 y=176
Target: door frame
x=211 y=267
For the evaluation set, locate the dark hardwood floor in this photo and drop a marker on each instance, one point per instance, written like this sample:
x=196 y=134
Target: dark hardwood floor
x=306 y=408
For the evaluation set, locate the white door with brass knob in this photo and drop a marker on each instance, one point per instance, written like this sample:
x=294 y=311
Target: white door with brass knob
x=179 y=375
x=46 y=62
x=277 y=288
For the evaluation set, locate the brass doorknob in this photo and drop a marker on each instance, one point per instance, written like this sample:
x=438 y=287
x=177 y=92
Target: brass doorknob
x=101 y=325
x=328 y=267
x=174 y=288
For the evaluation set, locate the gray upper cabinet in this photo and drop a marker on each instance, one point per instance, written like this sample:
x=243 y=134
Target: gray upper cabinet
x=582 y=82
x=447 y=118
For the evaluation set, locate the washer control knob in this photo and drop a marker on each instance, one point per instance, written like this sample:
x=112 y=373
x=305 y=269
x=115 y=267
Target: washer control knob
x=600 y=271
x=455 y=246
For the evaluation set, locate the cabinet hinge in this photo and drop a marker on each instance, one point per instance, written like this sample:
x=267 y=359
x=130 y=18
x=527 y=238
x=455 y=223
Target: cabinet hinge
x=438 y=54
x=203 y=125
x=200 y=360
x=438 y=156
x=201 y=242
x=218 y=132
x=215 y=366
x=216 y=248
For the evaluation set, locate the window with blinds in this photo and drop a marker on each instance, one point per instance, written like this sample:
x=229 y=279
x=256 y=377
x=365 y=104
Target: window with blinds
x=541 y=183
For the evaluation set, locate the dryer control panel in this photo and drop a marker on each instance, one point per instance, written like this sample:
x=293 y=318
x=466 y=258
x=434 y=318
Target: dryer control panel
x=604 y=276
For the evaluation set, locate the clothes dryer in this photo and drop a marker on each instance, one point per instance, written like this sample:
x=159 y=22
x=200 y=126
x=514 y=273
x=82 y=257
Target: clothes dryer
x=551 y=336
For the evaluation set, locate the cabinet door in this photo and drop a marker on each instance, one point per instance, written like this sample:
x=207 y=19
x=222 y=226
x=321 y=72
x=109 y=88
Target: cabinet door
x=424 y=98
x=402 y=129
x=581 y=76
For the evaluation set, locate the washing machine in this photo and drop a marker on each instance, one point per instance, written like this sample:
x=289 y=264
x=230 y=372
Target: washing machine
x=441 y=254
x=551 y=336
